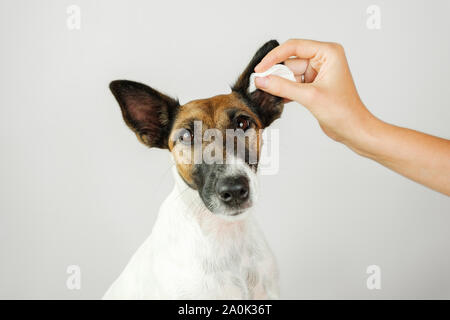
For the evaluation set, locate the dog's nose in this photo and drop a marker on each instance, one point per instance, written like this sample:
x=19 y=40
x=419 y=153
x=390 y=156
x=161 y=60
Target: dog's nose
x=233 y=190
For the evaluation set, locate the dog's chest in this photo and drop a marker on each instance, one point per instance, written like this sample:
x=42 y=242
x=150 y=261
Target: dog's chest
x=235 y=269
x=216 y=261
x=192 y=254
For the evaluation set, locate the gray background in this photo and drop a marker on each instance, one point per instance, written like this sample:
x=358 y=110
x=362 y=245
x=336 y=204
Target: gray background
x=77 y=188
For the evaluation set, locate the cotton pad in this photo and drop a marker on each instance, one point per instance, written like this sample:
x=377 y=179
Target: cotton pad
x=278 y=70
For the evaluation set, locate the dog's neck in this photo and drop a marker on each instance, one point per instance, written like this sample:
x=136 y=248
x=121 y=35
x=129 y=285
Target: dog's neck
x=186 y=202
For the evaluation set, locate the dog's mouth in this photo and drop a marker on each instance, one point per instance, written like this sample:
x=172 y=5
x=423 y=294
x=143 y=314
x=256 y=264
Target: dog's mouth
x=239 y=211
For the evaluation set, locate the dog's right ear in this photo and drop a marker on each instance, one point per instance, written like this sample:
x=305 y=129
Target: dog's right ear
x=147 y=112
x=266 y=106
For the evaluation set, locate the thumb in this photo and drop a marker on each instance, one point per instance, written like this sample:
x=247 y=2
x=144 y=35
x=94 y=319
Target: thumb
x=281 y=87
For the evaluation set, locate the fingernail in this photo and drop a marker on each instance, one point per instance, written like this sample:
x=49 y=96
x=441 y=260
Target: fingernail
x=261 y=82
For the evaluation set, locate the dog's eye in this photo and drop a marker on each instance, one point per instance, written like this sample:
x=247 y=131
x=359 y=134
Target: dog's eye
x=185 y=136
x=242 y=123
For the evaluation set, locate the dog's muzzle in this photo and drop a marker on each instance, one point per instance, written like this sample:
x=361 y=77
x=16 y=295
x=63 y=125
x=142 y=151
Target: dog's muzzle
x=227 y=189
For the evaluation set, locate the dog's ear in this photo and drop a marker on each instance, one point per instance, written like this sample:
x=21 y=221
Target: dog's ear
x=147 y=112
x=266 y=106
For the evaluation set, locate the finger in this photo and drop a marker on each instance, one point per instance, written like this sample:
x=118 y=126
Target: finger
x=310 y=74
x=304 y=49
x=298 y=66
x=284 y=88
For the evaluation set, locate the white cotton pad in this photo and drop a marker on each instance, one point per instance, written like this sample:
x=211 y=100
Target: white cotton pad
x=278 y=70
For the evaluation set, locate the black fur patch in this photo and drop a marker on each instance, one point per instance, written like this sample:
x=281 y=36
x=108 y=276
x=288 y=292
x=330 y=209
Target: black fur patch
x=266 y=106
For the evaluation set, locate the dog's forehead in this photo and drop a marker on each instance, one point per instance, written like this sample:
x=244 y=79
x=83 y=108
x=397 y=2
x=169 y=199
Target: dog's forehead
x=211 y=111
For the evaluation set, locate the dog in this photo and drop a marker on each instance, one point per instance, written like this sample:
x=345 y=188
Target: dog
x=205 y=243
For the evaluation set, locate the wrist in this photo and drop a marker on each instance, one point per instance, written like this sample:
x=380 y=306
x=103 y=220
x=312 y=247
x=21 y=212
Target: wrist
x=366 y=138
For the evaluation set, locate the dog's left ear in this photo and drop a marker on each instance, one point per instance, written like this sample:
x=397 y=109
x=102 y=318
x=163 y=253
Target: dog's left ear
x=266 y=106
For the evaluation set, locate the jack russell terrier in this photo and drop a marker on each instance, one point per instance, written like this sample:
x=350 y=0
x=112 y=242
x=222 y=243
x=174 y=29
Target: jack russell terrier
x=205 y=243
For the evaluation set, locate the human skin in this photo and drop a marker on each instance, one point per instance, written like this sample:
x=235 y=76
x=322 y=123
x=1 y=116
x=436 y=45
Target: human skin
x=325 y=87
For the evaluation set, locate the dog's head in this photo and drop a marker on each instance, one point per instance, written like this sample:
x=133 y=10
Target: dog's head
x=215 y=142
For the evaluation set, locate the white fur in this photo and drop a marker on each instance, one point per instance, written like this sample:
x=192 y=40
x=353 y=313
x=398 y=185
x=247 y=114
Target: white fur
x=195 y=254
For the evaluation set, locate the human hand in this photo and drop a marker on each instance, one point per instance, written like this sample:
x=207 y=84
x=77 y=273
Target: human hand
x=324 y=86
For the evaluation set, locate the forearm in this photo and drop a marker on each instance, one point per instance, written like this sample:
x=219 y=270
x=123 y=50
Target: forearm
x=415 y=155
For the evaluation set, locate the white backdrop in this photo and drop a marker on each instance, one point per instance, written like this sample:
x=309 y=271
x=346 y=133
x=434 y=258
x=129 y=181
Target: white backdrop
x=78 y=189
